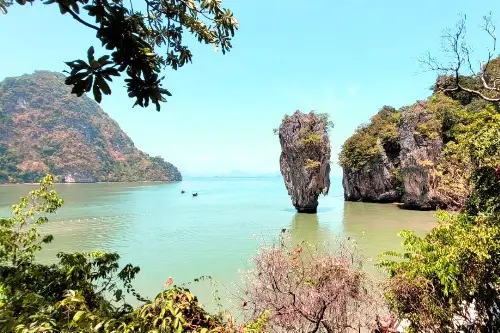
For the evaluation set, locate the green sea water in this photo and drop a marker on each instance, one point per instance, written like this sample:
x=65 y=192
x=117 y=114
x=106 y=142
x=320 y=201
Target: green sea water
x=216 y=233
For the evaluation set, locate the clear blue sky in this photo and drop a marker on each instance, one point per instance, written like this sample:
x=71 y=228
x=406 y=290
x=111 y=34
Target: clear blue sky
x=347 y=58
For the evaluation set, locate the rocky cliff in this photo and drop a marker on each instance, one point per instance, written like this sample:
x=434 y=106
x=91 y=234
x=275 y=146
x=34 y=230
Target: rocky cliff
x=410 y=156
x=370 y=160
x=420 y=137
x=44 y=128
x=305 y=159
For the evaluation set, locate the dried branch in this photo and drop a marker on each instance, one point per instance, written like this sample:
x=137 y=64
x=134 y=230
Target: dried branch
x=311 y=290
x=454 y=44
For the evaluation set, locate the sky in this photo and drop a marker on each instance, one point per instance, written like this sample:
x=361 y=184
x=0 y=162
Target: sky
x=346 y=58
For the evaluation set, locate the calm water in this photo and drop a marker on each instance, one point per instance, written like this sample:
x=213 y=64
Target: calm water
x=168 y=233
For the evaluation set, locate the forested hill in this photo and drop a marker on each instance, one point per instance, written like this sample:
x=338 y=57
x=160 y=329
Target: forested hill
x=44 y=128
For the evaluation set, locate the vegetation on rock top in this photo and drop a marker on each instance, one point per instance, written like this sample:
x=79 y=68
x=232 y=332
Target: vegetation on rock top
x=366 y=143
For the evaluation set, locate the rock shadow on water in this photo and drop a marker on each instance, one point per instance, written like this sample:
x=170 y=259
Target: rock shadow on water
x=307 y=228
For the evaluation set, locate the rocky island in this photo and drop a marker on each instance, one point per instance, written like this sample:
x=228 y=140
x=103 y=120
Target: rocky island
x=46 y=129
x=411 y=155
x=305 y=158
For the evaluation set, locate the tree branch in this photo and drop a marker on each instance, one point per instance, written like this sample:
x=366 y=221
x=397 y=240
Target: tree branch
x=76 y=17
x=454 y=43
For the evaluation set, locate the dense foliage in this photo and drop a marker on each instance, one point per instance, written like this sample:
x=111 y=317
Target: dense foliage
x=135 y=36
x=370 y=140
x=448 y=280
x=44 y=128
x=85 y=292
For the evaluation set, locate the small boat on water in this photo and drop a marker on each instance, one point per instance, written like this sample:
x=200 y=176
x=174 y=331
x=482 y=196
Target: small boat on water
x=195 y=194
x=182 y=192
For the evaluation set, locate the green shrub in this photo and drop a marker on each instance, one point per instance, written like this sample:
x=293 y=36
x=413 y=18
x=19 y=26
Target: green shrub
x=309 y=138
x=455 y=264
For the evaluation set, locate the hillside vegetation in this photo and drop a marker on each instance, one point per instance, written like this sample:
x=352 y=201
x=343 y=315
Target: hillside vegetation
x=44 y=128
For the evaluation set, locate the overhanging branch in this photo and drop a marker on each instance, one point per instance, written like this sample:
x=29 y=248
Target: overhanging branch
x=78 y=18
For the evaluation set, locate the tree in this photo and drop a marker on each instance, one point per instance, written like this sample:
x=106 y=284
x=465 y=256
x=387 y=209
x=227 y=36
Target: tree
x=135 y=39
x=460 y=75
x=310 y=289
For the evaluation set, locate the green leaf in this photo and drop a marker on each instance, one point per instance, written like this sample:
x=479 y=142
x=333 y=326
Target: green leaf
x=179 y=328
x=103 y=85
x=90 y=54
x=78 y=315
x=74 y=6
x=118 y=294
x=88 y=83
x=102 y=60
x=97 y=93
x=98 y=326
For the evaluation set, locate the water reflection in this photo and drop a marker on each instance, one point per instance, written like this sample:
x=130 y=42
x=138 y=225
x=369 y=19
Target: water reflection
x=307 y=228
x=375 y=226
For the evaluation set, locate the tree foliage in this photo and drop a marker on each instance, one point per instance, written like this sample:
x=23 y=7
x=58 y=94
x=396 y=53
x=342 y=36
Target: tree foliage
x=449 y=280
x=136 y=41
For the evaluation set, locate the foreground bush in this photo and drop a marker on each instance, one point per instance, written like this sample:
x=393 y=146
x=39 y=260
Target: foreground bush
x=307 y=289
x=75 y=294
x=448 y=280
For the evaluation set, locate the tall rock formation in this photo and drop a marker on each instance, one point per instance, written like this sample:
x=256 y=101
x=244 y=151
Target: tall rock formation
x=44 y=128
x=305 y=159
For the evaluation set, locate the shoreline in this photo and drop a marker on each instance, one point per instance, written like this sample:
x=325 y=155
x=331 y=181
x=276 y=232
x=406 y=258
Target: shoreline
x=130 y=182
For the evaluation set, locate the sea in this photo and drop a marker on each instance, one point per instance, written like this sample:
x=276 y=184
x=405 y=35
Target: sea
x=215 y=234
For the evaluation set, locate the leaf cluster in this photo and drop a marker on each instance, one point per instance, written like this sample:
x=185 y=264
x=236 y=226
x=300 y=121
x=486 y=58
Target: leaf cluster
x=134 y=40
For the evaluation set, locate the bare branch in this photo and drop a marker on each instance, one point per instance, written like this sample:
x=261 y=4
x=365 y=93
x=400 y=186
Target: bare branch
x=455 y=45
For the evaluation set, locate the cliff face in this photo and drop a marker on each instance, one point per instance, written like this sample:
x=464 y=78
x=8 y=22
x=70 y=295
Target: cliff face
x=44 y=128
x=305 y=159
x=374 y=182
x=421 y=145
x=370 y=160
